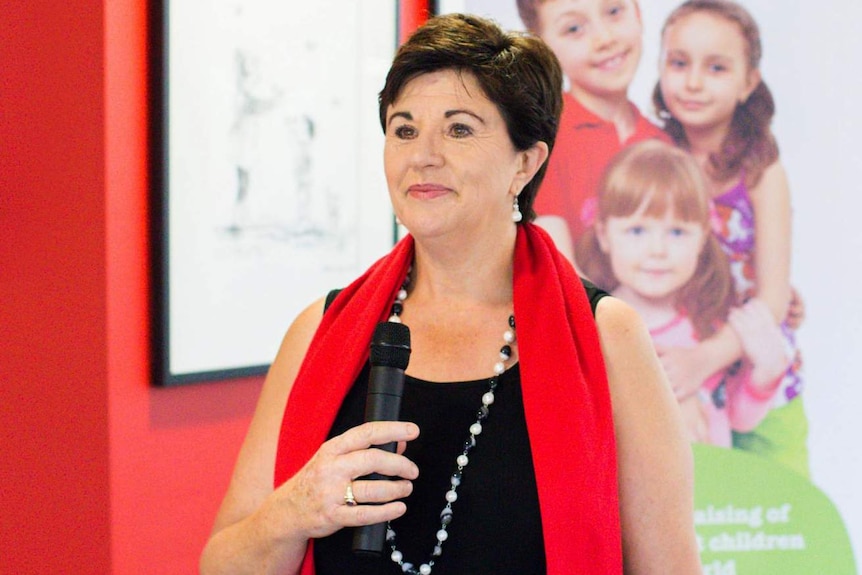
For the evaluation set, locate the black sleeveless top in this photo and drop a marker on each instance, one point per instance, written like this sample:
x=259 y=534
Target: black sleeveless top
x=496 y=527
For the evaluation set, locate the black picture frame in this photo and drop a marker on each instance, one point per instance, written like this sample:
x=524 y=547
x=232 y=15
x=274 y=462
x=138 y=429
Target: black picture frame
x=266 y=171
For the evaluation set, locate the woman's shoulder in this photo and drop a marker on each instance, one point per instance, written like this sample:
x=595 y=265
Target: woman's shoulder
x=308 y=320
x=618 y=320
x=630 y=358
x=293 y=348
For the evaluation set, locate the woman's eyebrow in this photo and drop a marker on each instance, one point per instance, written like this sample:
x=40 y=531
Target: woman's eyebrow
x=450 y=113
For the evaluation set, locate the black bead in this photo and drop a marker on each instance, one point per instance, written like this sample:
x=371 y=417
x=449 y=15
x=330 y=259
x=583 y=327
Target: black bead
x=506 y=351
x=483 y=413
x=512 y=321
x=397 y=308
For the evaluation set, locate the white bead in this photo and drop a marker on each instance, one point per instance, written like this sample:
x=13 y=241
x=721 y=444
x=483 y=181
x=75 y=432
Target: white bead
x=488 y=398
x=451 y=496
x=407 y=567
x=476 y=428
x=402 y=294
x=442 y=535
x=396 y=556
x=509 y=336
x=425 y=569
x=499 y=368
x=394 y=318
x=462 y=460
x=517 y=217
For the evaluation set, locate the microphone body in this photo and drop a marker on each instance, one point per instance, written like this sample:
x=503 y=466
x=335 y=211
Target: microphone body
x=390 y=352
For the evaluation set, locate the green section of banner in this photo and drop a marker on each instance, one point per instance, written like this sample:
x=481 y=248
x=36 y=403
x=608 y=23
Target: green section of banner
x=755 y=517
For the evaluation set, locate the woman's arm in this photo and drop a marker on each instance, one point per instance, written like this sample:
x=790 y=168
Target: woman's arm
x=264 y=530
x=243 y=539
x=655 y=460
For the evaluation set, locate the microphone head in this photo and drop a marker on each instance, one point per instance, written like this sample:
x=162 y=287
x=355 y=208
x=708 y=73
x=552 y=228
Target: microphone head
x=390 y=345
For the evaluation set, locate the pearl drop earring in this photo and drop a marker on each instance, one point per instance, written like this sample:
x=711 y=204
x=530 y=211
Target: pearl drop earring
x=517 y=216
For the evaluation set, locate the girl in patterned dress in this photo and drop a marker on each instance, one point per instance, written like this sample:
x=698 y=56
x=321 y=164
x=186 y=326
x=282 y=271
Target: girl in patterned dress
x=716 y=105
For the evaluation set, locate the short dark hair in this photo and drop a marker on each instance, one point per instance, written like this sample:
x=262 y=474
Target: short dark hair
x=516 y=71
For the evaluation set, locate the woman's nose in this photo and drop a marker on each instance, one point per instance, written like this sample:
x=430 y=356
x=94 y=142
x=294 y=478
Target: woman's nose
x=427 y=150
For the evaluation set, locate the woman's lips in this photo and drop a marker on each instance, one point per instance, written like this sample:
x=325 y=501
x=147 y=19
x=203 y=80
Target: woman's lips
x=427 y=191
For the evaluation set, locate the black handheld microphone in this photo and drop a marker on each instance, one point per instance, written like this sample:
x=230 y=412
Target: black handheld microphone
x=390 y=352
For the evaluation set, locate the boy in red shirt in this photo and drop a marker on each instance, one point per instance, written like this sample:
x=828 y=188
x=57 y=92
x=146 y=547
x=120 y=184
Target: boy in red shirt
x=599 y=45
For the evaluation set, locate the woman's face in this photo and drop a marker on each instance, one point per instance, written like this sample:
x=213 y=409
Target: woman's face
x=653 y=257
x=450 y=164
x=704 y=71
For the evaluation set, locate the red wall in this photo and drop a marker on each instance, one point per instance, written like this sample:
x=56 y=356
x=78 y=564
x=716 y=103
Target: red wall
x=54 y=492
x=101 y=473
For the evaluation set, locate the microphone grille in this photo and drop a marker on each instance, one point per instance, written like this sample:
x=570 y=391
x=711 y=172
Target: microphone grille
x=390 y=345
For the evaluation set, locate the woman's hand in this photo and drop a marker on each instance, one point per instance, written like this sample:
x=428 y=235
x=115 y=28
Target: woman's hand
x=261 y=530
x=312 y=503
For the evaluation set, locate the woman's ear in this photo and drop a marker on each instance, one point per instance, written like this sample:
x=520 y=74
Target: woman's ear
x=531 y=160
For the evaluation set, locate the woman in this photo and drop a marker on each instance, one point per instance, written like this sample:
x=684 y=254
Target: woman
x=549 y=479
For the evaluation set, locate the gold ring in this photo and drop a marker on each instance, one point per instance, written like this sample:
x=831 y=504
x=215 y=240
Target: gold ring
x=349 y=500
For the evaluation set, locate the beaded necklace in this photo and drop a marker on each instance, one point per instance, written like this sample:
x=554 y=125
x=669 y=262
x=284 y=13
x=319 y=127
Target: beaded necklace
x=462 y=460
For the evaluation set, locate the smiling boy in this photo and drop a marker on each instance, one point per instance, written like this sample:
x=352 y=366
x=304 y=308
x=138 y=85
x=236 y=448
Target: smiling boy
x=599 y=46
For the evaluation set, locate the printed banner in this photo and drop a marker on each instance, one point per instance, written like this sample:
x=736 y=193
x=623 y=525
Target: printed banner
x=701 y=173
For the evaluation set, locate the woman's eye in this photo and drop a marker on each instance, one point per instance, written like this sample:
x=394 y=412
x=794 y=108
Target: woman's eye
x=676 y=63
x=461 y=130
x=718 y=68
x=636 y=230
x=405 y=132
x=573 y=29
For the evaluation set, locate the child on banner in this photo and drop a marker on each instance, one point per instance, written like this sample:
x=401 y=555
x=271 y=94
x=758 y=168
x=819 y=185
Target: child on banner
x=599 y=46
x=715 y=104
x=653 y=246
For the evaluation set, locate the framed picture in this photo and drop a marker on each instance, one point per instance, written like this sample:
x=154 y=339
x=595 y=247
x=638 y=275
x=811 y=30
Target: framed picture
x=269 y=179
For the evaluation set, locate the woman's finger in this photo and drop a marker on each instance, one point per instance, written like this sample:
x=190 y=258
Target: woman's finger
x=372 y=433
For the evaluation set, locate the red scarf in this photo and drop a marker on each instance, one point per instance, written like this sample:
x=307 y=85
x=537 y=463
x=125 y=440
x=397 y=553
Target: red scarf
x=563 y=380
